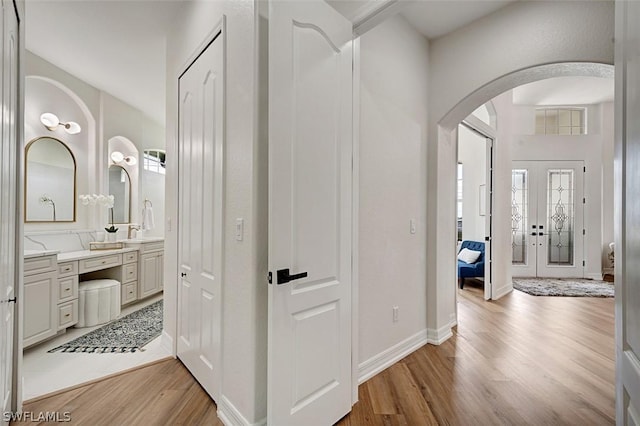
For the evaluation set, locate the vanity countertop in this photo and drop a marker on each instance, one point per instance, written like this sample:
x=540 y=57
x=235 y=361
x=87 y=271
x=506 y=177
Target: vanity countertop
x=87 y=254
x=29 y=254
x=143 y=240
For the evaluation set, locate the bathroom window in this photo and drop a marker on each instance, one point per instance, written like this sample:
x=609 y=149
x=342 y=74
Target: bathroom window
x=560 y=121
x=155 y=160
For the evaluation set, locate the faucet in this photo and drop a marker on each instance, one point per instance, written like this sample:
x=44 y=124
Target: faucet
x=131 y=228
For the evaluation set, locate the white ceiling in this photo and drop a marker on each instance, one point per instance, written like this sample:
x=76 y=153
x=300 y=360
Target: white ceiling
x=565 y=91
x=435 y=18
x=116 y=46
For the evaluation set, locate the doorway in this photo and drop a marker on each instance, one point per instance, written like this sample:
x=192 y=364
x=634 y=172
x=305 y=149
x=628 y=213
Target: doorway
x=547 y=220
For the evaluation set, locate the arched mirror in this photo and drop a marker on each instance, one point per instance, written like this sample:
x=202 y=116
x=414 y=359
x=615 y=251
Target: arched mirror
x=120 y=188
x=50 y=182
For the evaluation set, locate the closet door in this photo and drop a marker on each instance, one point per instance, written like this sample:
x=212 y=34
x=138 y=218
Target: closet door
x=200 y=215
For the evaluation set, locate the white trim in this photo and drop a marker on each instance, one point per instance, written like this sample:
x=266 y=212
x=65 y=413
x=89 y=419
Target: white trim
x=231 y=416
x=372 y=13
x=390 y=356
x=166 y=343
x=355 y=220
x=502 y=291
x=594 y=276
x=439 y=336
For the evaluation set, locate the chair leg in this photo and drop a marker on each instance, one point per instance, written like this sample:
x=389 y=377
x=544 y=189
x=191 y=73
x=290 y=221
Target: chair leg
x=461 y=283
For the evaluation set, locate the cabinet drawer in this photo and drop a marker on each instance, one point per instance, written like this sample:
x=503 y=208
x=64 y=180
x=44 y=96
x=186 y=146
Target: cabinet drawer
x=129 y=293
x=97 y=263
x=67 y=314
x=129 y=257
x=67 y=268
x=130 y=272
x=155 y=246
x=39 y=265
x=67 y=288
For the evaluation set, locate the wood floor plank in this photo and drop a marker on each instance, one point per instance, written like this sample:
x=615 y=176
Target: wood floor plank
x=521 y=360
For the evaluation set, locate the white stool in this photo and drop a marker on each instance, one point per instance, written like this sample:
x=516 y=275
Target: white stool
x=99 y=302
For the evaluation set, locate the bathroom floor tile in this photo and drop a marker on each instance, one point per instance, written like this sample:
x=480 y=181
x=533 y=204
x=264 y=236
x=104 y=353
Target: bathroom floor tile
x=44 y=372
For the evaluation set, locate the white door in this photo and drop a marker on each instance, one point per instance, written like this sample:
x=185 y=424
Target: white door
x=547 y=219
x=627 y=212
x=8 y=190
x=201 y=115
x=310 y=202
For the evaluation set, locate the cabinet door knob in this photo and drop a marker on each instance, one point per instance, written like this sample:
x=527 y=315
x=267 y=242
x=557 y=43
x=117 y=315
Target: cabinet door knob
x=183 y=274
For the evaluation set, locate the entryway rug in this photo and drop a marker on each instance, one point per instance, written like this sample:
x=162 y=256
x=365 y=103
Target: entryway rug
x=125 y=335
x=573 y=287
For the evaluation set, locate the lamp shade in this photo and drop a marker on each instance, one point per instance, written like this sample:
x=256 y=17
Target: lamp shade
x=117 y=156
x=50 y=120
x=72 y=128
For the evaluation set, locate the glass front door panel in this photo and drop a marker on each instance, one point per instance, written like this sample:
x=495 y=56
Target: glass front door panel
x=560 y=216
x=519 y=209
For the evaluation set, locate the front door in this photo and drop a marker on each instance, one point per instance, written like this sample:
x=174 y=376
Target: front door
x=547 y=219
x=310 y=220
x=200 y=146
x=8 y=190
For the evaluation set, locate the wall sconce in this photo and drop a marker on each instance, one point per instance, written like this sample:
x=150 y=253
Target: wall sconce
x=52 y=122
x=118 y=157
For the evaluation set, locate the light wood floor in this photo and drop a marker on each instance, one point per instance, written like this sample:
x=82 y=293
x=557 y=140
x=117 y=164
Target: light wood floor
x=520 y=360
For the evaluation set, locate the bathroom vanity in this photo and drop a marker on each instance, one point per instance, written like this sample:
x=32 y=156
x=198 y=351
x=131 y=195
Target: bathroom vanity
x=51 y=282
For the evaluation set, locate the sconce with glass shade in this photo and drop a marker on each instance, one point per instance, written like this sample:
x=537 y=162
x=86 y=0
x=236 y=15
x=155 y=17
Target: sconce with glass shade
x=118 y=157
x=52 y=122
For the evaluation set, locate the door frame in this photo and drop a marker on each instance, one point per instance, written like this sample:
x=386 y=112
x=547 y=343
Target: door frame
x=218 y=31
x=487 y=132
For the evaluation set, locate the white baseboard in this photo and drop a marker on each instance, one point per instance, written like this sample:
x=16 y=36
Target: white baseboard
x=231 y=416
x=439 y=336
x=388 y=357
x=594 y=276
x=503 y=291
x=166 y=342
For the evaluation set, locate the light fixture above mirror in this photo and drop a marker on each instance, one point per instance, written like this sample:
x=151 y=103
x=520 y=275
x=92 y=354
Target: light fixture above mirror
x=118 y=157
x=52 y=122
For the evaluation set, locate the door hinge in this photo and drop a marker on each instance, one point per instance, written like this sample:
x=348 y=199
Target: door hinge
x=584 y=263
x=584 y=169
x=584 y=232
x=584 y=201
x=270 y=277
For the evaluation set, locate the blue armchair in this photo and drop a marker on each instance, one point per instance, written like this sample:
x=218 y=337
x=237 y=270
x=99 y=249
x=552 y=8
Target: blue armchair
x=466 y=270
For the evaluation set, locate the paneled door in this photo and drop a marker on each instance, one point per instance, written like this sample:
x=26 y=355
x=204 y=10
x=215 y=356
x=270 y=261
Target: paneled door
x=310 y=205
x=547 y=219
x=627 y=212
x=9 y=187
x=201 y=115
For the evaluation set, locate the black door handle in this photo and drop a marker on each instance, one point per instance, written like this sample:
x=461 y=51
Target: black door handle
x=284 y=276
x=183 y=274
x=533 y=234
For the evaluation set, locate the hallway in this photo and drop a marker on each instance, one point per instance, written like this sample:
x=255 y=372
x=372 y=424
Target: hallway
x=520 y=360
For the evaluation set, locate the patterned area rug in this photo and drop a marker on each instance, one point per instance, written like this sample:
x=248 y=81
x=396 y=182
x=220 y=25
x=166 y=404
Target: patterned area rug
x=574 y=287
x=125 y=335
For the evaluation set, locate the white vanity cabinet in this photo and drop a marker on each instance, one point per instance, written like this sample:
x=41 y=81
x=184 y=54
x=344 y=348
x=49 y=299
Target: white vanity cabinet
x=40 y=288
x=151 y=268
x=67 y=301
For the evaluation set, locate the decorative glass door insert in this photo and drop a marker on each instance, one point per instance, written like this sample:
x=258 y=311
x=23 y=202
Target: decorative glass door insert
x=547 y=233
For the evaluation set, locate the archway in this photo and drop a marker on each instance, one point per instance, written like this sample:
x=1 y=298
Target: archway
x=446 y=148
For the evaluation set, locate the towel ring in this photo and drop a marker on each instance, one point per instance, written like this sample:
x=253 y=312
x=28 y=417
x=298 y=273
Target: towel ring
x=148 y=201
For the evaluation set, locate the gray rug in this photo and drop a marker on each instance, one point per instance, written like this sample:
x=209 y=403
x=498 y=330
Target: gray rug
x=574 y=287
x=125 y=335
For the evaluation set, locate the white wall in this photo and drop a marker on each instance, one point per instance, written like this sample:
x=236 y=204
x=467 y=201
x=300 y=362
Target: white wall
x=505 y=43
x=244 y=285
x=101 y=116
x=607 y=120
x=393 y=129
x=472 y=153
